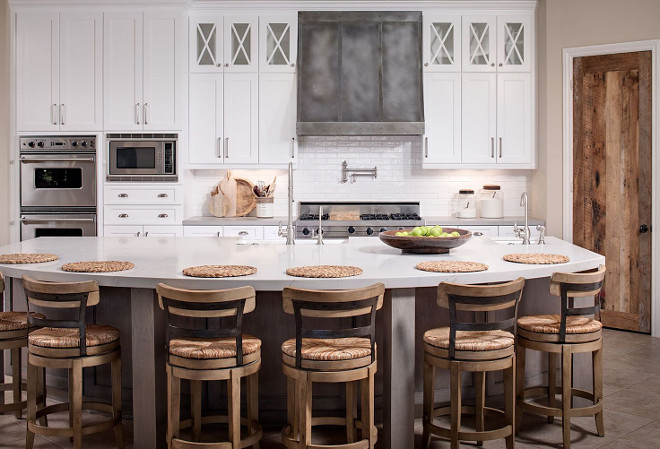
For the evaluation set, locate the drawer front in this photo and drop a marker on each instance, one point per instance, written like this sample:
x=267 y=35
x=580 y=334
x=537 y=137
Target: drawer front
x=247 y=232
x=202 y=231
x=271 y=233
x=146 y=195
x=122 y=231
x=143 y=215
x=488 y=231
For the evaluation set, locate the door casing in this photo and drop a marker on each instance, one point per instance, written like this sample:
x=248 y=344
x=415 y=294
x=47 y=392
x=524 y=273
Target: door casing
x=567 y=185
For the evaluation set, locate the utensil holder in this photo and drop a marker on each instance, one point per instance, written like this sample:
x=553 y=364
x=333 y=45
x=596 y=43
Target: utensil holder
x=265 y=207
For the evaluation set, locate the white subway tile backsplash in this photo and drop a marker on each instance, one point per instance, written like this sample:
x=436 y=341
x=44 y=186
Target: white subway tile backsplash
x=400 y=176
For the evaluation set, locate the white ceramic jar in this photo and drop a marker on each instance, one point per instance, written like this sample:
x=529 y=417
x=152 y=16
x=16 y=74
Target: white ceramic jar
x=466 y=204
x=491 y=202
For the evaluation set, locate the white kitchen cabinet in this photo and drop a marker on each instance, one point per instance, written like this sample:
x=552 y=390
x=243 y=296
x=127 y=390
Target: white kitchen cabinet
x=514 y=118
x=442 y=112
x=205 y=43
x=142 y=73
x=278 y=42
x=479 y=45
x=202 y=231
x=487 y=231
x=241 y=43
x=241 y=118
x=479 y=118
x=277 y=118
x=143 y=214
x=120 y=194
x=515 y=40
x=245 y=232
x=163 y=231
x=59 y=82
x=442 y=42
x=205 y=119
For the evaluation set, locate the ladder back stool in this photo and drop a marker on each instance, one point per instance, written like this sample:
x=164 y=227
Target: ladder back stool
x=70 y=344
x=13 y=337
x=476 y=347
x=208 y=354
x=346 y=354
x=570 y=332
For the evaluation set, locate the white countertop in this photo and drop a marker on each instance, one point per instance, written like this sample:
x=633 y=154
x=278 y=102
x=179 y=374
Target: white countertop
x=234 y=221
x=162 y=260
x=504 y=221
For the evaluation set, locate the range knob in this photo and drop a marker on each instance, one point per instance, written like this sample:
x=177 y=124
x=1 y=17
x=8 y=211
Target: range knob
x=83 y=143
x=382 y=230
x=31 y=144
x=370 y=231
x=40 y=144
x=74 y=144
x=306 y=231
x=351 y=230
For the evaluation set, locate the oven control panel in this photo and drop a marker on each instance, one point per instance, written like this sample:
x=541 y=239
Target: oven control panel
x=75 y=143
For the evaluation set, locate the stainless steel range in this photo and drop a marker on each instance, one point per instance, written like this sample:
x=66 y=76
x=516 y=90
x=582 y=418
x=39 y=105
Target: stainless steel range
x=58 y=186
x=364 y=219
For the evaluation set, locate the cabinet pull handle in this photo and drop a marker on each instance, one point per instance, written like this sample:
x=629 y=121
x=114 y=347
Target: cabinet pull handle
x=426 y=147
x=219 y=234
x=492 y=147
x=220 y=149
x=146 y=234
x=123 y=195
x=492 y=64
x=138 y=234
x=293 y=144
x=137 y=113
x=163 y=215
x=146 y=113
x=500 y=147
x=500 y=64
x=62 y=114
x=243 y=233
x=226 y=147
x=123 y=215
x=163 y=195
x=53 y=112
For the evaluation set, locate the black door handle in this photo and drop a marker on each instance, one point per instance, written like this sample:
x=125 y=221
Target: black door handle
x=643 y=229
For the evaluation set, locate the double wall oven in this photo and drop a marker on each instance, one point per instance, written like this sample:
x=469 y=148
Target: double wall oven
x=58 y=186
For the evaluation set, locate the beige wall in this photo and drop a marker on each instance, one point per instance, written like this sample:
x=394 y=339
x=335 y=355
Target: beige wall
x=565 y=24
x=4 y=122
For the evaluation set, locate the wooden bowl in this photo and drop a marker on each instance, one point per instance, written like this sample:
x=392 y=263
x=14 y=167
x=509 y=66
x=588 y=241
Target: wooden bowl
x=424 y=245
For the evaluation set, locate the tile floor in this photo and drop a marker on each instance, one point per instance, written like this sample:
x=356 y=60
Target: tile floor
x=632 y=404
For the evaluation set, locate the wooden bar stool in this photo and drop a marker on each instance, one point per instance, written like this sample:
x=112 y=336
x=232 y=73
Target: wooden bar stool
x=570 y=332
x=13 y=336
x=344 y=355
x=211 y=354
x=472 y=347
x=73 y=345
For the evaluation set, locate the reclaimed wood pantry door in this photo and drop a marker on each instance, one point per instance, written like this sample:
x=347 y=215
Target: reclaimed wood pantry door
x=612 y=179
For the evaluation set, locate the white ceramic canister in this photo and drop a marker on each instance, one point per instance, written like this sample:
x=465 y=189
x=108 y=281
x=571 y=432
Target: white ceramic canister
x=466 y=204
x=491 y=202
x=265 y=207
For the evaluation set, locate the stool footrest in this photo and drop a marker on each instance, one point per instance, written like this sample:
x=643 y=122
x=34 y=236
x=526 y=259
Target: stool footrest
x=486 y=435
x=69 y=431
x=254 y=437
x=538 y=392
x=292 y=443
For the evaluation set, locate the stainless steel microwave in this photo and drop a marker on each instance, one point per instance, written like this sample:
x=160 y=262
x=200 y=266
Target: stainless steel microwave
x=142 y=157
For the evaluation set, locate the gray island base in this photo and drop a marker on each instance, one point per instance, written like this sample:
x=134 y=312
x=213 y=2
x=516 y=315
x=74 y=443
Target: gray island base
x=128 y=301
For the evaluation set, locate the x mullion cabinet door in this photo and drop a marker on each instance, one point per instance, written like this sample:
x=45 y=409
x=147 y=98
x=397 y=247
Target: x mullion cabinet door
x=479 y=46
x=206 y=43
x=241 y=44
x=515 y=40
x=278 y=42
x=442 y=43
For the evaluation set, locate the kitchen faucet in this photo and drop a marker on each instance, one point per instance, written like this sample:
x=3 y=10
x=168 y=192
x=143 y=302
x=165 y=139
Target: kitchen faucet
x=525 y=233
x=319 y=232
x=289 y=225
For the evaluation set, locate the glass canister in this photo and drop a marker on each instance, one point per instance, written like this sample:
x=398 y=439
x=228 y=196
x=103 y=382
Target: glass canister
x=466 y=204
x=491 y=202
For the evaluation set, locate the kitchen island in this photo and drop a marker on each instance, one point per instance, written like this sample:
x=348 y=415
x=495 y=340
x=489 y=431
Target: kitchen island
x=128 y=302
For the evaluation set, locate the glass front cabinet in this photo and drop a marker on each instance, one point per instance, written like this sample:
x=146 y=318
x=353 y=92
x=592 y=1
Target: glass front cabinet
x=278 y=42
x=205 y=37
x=442 y=43
x=497 y=43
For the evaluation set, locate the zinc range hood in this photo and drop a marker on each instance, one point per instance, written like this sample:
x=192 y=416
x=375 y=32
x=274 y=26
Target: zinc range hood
x=360 y=73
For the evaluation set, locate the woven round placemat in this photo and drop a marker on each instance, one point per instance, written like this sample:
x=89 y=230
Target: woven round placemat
x=219 y=271
x=536 y=258
x=324 y=271
x=97 y=266
x=27 y=258
x=451 y=266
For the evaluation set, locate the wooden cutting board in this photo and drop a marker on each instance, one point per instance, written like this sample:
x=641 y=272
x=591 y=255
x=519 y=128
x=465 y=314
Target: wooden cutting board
x=228 y=188
x=245 y=201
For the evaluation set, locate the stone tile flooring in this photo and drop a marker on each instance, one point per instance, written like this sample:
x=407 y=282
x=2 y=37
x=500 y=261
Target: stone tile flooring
x=632 y=404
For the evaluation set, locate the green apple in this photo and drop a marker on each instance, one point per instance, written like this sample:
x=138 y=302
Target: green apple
x=438 y=228
x=417 y=232
x=455 y=234
x=435 y=232
x=400 y=234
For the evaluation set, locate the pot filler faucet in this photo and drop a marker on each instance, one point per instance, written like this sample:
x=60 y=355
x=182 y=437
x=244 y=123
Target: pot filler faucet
x=289 y=234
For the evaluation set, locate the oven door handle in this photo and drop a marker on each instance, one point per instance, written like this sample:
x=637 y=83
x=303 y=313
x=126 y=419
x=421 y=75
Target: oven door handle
x=46 y=220
x=29 y=160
